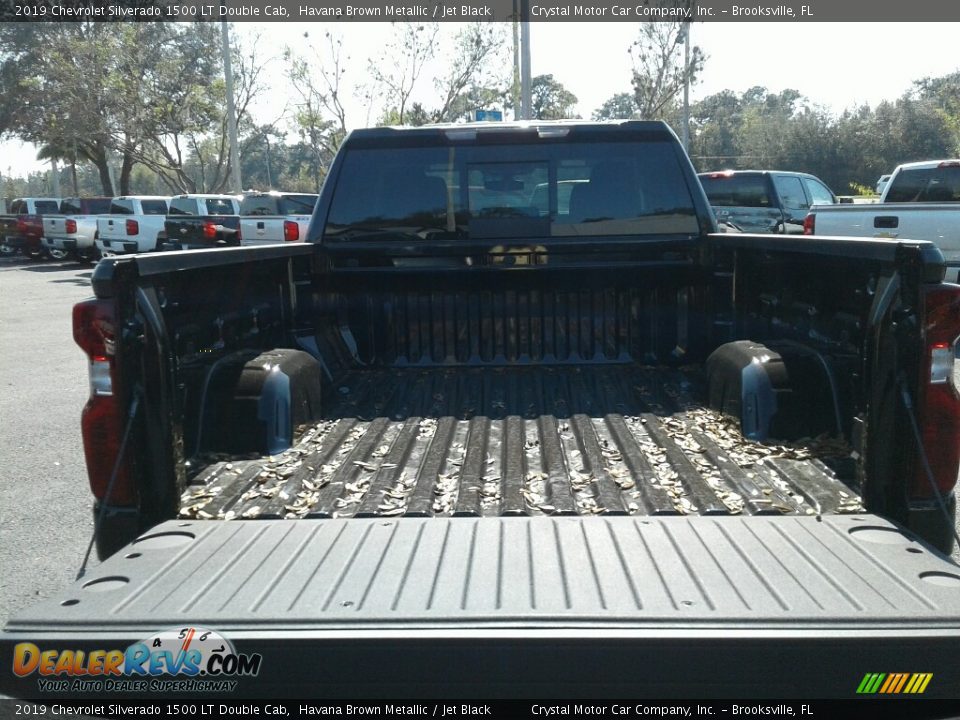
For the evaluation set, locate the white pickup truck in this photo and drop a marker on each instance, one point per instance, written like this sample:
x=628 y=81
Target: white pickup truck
x=74 y=230
x=920 y=202
x=133 y=225
x=268 y=218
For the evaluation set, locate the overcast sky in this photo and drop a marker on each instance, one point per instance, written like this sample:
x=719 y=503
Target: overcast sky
x=837 y=65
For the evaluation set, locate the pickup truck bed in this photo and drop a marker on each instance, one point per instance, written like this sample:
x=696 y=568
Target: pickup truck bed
x=454 y=446
x=514 y=441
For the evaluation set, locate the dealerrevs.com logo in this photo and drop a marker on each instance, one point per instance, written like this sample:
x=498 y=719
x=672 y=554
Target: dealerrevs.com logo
x=190 y=659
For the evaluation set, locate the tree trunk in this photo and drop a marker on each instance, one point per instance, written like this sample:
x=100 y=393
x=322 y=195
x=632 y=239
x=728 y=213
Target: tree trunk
x=126 y=168
x=73 y=175
x=99 y=159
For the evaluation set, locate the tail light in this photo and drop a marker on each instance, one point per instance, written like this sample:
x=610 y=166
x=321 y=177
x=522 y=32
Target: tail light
x=133 y=227
x=938 y=404
x=810 y=224
x=103 y=418
x=291 y=231
x=209 y=231
x=70 y=226
x=21 y=226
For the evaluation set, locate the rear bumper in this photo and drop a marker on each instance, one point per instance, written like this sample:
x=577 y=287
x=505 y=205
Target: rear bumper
x=118 y=247
x=16 y=241
x=75 y=243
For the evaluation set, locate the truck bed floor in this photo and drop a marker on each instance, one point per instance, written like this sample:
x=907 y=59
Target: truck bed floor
x=524 y=441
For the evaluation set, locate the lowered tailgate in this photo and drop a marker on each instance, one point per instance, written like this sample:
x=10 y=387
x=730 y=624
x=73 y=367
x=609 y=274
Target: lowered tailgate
x=520 y=606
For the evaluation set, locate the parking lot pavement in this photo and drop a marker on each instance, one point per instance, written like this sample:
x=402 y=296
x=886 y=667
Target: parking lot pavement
x=45 y=518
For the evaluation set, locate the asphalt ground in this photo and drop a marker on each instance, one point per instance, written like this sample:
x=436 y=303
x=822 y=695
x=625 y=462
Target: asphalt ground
x=45 y=516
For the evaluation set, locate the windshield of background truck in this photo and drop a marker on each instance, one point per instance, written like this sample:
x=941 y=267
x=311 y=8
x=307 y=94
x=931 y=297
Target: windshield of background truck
x=940 y=184
x=220 y=206
x=736 y=190
x=87 y=206
x=47 y=207
x=515 y=190
x=277 y=205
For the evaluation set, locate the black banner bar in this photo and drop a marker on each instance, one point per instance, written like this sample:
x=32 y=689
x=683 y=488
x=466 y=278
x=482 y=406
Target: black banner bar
x=478 y=10
x=200 y=709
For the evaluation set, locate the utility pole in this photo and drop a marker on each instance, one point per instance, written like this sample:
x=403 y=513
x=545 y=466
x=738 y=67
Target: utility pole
x=686 y=87
x=266 y=138
x=235 y=178
x=525 y=100
x=515 y=88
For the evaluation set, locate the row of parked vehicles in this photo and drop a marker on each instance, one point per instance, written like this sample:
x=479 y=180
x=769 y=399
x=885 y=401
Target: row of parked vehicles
x=919 y=201
x=90 y=228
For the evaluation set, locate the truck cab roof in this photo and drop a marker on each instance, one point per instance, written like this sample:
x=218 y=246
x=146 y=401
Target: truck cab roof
x=544 y=128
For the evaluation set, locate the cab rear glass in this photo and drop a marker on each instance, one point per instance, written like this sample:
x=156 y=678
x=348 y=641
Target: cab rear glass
x=542 y=190
x=939 y=184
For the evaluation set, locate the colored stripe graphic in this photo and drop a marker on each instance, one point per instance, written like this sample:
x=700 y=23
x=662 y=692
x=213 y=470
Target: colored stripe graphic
x=894 y=683
x=901 y=682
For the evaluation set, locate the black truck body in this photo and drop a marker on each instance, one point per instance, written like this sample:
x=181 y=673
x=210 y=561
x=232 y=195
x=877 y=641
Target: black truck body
x=469 y=446
x=201 y=222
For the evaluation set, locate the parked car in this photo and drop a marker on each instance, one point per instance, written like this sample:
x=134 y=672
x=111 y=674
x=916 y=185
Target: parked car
x=201 y=221
x=764 y=201
x=21 y=230
x=273 y=217
x=74 y=230
x=134 y=225
x=921 y=202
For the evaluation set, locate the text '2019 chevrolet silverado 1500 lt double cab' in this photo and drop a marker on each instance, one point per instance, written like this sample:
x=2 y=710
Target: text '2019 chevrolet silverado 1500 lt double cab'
x=469 y=440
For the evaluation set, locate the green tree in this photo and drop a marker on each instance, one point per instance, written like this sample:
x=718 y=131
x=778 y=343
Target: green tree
x=53 y=98
x=475 y=78
x=622 y=106
x=474 y=74
x=549 y=99
x=659 y=69
x=399 y=66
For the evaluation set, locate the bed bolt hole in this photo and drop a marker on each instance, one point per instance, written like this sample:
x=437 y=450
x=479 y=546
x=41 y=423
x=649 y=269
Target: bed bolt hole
x=687 y=602
x=68 y=603
x=347 y=603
